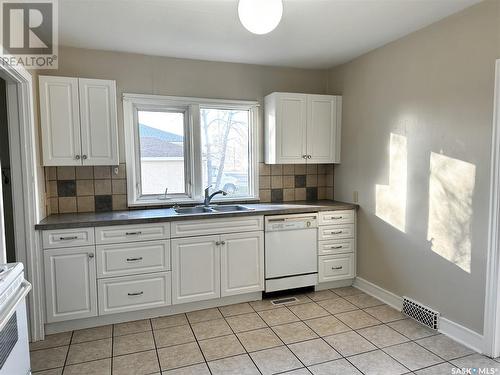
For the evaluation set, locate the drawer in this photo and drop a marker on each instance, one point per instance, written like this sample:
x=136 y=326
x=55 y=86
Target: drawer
x=335 y=232
x=336 y=267
x=67 y=237
x=130 y=293
x=132 y=233
x=133 y=258
x=336 y=246
x=336 y=217
x=216 y=226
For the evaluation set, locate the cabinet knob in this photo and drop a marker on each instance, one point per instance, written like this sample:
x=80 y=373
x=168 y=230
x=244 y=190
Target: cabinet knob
x=77 y=157
x=304 y=156
x=223 y=242
x=91 y=255
x=84 y=157
x=309 y=156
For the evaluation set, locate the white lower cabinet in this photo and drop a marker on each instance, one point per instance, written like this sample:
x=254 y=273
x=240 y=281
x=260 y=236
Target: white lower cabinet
x=195 y=269
x=336 y=267
x=242 y=263
x=130 y=293
x=70 y=283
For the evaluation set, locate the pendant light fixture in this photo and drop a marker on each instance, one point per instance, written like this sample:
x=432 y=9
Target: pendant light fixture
x=260 y=16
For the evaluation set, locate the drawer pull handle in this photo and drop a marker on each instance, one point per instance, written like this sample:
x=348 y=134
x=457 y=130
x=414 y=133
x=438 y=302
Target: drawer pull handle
x=336 y=247
x=220 y=243
x=134 y=259
x=133 y=233
x=136 y=293
x=337 y=268
x=336 y=232
x=69 y=238
x=337 y=217
x=91 y=255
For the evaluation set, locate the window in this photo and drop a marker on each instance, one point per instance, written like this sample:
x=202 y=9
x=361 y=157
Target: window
x=175 y=147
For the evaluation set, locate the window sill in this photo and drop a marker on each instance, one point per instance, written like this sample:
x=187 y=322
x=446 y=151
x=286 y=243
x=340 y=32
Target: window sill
x=188 y=202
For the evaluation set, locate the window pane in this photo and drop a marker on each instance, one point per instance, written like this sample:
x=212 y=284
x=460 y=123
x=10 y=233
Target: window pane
x=226 y=150
x=161 y=136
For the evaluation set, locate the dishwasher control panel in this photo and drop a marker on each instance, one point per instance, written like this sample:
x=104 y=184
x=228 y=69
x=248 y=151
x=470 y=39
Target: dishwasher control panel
x=291 y=222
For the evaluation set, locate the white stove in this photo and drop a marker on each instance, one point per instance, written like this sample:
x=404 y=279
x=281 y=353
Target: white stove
x=14 y=346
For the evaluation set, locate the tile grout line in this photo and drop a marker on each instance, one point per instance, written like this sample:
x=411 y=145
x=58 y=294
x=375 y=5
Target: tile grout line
x=197 y=342
x=156 y=346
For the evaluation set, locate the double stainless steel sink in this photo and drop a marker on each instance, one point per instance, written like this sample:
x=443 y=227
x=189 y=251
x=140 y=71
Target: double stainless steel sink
x=211 y=209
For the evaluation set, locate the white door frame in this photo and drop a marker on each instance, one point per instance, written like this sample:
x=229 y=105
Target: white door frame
x=492 y=298
x=27 y=175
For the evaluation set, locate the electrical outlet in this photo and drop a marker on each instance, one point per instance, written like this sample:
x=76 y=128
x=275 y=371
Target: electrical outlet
x=355 y=196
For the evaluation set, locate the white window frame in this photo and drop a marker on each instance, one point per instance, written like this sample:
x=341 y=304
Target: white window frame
x=132 y=103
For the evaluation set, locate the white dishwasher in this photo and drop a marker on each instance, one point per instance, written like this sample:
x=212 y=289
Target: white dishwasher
x=291 y=251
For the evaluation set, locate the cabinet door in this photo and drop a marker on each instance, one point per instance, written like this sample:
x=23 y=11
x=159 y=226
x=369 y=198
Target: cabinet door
x=291 y=116
x=70 y=283
x=60 y=121
x=323 y=129
x=98 y=121
x=242 y=263
x=195 y=269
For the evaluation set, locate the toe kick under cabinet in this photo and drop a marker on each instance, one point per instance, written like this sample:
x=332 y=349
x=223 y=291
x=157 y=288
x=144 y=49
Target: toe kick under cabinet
x=336 y=245
x=91 y=272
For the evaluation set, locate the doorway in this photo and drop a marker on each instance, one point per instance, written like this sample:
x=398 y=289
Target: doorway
x=6 y=179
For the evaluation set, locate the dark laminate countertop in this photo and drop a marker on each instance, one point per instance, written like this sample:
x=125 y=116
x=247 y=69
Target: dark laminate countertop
x=154 y=215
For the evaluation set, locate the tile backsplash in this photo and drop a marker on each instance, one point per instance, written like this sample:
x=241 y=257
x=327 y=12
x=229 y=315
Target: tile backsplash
x=97 y=189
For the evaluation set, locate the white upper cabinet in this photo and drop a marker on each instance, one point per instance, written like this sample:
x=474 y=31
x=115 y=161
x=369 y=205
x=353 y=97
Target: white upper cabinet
x=98 y=121
x=302 y=128
x=78 y=118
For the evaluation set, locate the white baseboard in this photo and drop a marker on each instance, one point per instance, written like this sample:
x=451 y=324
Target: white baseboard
x=457 y=332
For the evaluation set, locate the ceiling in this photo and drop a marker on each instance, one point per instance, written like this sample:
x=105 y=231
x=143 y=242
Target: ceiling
x=312 y=34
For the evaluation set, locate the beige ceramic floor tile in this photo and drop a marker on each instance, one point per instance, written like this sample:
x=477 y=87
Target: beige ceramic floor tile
x=272 y=361
x=350 y=343
x=89 y=351
x=294 y=332
x=337 y=305
x=385 y=313
x=180 y=356
x=314 y=351
x=221 y=347
x=169 y=321
x=263 y=305
x=308 y=311
x=340 y=367
x=92 y=334
x=327 y=325
x=238 y=309
x=357 y=319
x=259 y=339
x=54 y=371
x=241 y=365
x=412 y=329
x=52 y=341
x=413 y=356
x=131 y=327
x=363 y=300
x=442 y=369
x=173 y=336
x=48 y=358
x=100 y=367
x=143 y=363
x=200 y=369
x=300 y=371
x=136 y=342
x=477 y=361
x=382 y=336
x=203 y=315
x=346 y=291
x=278 y=316
x=322 y=295
x=377 y=363
x=212 y=328
x=444 y=347
x=246 y=322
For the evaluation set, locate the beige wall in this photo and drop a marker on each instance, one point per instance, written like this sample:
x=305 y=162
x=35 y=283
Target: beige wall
x=181 y=77
x=435 y=88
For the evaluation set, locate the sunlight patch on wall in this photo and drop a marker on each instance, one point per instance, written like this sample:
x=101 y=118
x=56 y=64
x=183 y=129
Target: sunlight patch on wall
x=451 y=187
x=390 y=200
